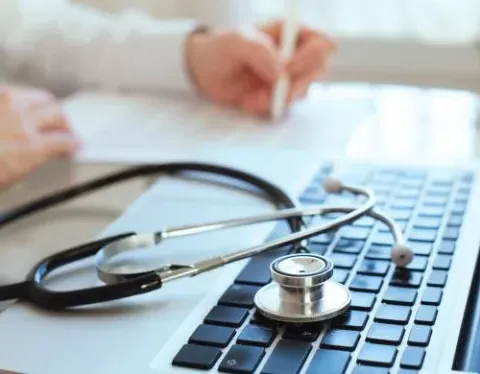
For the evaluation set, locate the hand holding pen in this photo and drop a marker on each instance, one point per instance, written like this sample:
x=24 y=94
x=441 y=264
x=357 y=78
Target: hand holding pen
x=261 y=70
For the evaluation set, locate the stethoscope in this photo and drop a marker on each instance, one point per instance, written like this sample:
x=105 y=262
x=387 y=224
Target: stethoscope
x=302 y=287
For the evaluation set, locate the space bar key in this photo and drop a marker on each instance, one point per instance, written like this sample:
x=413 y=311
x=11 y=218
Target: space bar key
x=288 y=357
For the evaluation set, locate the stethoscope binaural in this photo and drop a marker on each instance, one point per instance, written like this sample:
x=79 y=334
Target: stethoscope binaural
x=302 y=289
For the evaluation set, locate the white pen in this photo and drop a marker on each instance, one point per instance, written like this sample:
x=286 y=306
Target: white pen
x=288 y=45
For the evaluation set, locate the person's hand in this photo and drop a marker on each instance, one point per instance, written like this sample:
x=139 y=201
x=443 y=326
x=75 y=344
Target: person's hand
x=33 y=130
x=240 y=67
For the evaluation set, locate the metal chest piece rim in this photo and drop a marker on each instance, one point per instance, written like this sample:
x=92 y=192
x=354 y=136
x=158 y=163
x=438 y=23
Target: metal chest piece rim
x=302 y=290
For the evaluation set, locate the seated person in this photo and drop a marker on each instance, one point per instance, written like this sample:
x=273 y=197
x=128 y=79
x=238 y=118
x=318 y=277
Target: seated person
x=64 y=47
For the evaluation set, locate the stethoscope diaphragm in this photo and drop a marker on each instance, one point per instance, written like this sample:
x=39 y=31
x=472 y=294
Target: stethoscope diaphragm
x=302 y=290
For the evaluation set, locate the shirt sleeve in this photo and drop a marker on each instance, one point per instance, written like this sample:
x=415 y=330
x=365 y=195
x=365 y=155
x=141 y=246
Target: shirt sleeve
x=70 y=47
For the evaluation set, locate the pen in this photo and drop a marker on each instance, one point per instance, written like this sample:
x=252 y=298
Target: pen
x=288 y=44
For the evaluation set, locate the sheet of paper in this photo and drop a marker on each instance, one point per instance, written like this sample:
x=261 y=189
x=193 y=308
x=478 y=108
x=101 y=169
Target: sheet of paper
x=135 y=129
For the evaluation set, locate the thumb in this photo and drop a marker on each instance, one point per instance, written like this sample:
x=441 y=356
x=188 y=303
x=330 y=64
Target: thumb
x=58 y=144
x=258 y=51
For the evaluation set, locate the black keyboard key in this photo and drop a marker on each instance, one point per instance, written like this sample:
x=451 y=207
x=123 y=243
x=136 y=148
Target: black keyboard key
x=355 y=233
x=400 y=296
x=377 y=355
x=427 y=223
x=400 y=215
x=459 y=208
x=374 y=267
x=317 y=248
x=420 y=335
x=329 y=361
x=438 y=278
x=352 y=320
x=451 y=233
x=403 y=204
x=407 y=193
x=257 y=271
x=362 y=369
x=421 y=248
x=362 y=300
x=257 y=335
x=368 y=283
x=260 y=320
x=442 y=262
x=418 y=263
x=215 y=336
x=197 y=357
x=304 y=332
x=343 y=260
x=423 y=235
x=406 y=278
x=412 y=358
x=383 y=238
x=310 y=198
x=379 y=252
x=364 y=222
x=402 y=224
x=349 y=246
x=447 y=247
x=442 y=192
x=240 y=295
x=395 y=314
x=431 y=211
x=432 y=296
x=442 y=179
x=226 y=316
x=341 y=339
x=385 y=334
x=287 y=357
x=241 y=359
x=455 y=220
x=340 y=275
x=439 y=201
x=426 y=315
x=322 y=239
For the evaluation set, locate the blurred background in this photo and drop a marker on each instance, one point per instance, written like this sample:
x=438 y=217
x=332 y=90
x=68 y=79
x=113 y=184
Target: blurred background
x=419 y=42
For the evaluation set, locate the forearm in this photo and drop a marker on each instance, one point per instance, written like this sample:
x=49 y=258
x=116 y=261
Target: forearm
x=69 y=47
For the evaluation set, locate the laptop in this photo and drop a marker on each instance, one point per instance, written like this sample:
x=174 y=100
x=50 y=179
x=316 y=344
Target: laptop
x=422 y=319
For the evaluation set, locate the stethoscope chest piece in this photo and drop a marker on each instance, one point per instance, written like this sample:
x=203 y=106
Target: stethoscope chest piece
x=302 y=290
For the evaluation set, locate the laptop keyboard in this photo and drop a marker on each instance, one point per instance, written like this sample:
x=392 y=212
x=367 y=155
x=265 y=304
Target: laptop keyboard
x=392 y=318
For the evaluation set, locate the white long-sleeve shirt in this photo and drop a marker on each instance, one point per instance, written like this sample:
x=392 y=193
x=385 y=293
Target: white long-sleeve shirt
x=66 y=47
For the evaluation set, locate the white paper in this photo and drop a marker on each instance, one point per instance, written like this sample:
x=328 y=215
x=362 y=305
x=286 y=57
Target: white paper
x=134 y=129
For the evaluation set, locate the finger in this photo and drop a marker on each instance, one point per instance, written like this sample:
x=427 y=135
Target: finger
x=259 y=53
x=53 y=145
x=241 y=86
x=50 y=117
x=307 y=34
x=258 y=102
x=309 y=56
x=300 y=86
